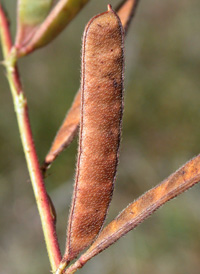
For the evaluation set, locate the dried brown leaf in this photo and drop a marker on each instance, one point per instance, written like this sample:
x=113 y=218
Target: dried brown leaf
x=67 y=131
x=126 y=11
x=70 y=125
x=143 y=207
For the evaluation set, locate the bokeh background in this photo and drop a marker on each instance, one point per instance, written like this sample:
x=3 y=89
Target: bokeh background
x=160 y=133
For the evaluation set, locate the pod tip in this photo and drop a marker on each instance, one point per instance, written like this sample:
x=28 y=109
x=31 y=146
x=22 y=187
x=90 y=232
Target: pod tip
x=109 y=7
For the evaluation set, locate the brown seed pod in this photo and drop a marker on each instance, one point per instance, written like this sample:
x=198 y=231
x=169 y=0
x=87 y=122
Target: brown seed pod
x=100 y=129
x=69 y=127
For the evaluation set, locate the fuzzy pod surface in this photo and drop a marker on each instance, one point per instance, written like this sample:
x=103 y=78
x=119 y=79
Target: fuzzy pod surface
x=100 y=129
x=69 y=128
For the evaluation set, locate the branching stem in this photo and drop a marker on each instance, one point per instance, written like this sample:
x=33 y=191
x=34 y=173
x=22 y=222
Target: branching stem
x=21 y=110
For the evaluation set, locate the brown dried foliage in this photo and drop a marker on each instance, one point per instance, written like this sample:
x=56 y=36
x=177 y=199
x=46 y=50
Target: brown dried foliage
x=126 y=11
x=143 y=207
x=70 y=125
x=100 y=129
x=67 y=131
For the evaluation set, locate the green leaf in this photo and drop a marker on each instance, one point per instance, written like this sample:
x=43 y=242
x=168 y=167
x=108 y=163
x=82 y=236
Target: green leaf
x=61 y=15
x=31 y=13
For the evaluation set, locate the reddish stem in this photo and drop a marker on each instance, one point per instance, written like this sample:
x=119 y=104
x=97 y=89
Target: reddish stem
x=41 y=195
x=4 y=24
x=28 y=146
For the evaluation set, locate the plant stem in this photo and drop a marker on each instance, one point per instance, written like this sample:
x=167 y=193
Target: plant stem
x=21 y=110
x=61 y=267
x=74 y=267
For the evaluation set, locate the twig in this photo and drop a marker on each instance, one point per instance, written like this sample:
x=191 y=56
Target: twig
x=21 y=110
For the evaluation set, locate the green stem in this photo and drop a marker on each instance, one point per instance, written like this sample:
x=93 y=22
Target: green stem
x=21 y=110
x=61 y=267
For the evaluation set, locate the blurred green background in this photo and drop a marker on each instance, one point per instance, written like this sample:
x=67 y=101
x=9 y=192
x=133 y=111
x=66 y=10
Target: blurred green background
x=160 y=133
